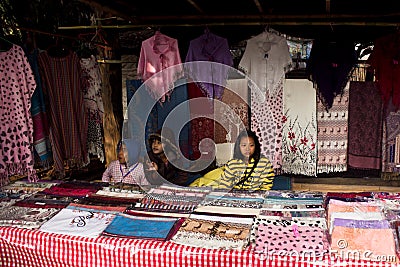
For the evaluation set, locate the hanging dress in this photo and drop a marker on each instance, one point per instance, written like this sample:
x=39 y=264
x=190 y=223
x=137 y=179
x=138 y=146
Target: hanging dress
x=266 y=60
x=94 y=106
x=16 y=126
x=63 y=87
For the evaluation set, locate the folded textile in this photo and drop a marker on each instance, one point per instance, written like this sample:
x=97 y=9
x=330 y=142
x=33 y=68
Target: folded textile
x=159 y=228
x=79 y=221
x=212 y=234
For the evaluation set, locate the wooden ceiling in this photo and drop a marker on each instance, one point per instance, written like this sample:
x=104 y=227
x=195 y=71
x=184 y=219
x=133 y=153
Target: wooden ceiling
x=238 y=20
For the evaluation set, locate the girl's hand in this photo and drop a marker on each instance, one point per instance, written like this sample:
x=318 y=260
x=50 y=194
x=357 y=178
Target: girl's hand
x=151 y=166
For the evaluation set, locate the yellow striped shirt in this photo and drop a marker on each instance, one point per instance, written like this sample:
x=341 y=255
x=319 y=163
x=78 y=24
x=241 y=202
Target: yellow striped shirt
x=261 y=178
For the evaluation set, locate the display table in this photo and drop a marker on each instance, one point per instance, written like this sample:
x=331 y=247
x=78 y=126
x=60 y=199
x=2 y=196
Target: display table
x=23 y=247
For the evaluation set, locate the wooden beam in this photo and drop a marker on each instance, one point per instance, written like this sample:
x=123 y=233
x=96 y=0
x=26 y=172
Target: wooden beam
x=238 y=23
x=268 y=17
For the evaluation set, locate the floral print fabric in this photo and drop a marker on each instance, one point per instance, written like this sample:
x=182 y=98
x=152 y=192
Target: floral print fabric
x=299 y=154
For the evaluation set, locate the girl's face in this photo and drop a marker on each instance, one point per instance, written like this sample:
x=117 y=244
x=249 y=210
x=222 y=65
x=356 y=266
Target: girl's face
x=157 y=147
x=247 y=147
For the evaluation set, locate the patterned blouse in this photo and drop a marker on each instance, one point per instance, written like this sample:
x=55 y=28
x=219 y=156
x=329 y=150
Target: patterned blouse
x=260 y=179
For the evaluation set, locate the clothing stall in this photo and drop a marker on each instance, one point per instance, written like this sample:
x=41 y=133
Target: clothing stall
x=326 y=106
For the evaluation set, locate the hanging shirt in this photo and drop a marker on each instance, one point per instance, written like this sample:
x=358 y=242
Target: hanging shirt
x=265 y=60
x=159 y=65
x=211 y=78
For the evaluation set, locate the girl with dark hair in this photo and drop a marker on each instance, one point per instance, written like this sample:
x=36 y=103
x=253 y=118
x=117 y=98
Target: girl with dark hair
x=248 y=170
x=162 y=152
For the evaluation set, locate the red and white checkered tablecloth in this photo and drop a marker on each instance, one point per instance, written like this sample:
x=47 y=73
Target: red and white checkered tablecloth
x=23 y=247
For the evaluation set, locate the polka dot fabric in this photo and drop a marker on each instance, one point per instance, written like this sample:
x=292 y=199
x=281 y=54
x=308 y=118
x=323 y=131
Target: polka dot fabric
x=292 y=237
x=16 y=131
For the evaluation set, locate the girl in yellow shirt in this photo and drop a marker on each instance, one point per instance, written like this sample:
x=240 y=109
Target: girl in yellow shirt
x=248 y=170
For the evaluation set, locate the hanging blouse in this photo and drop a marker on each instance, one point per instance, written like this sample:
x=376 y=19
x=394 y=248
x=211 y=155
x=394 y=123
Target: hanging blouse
x=16 y=126
x=265 y=60
x=211 y=78
x=159 y=65
x=385 y=60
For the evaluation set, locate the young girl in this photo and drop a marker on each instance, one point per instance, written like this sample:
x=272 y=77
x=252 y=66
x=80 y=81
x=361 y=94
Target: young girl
x=127 y=169
x=248 y=170
x=162 y=151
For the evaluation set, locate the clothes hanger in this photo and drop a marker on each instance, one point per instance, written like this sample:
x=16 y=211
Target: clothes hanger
x=159 y=38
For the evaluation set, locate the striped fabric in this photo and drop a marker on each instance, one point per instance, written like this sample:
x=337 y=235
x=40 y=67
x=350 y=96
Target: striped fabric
x=41 y=131
x=260 y=179
x=62 y=85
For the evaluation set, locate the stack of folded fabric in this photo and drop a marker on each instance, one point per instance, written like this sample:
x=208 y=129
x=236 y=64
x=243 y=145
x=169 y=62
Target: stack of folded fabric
x=143 y=227
x=302 y=237
x=359 y=230
x=169 y=201
x=73 y=189
x=291 y=224
x=24 y=217
x=115 y=195
x=213 y=234
x=231 y=203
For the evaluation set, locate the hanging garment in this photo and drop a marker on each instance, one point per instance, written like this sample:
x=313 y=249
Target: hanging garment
x=365 y=126
x=233 y=111
x=385 y=60
x=16 y=126
x=159 y=65
x=299 y=153
x=329 y=67
x=63 y=87
x=332 y=134
x=142 y=113
x=211 y=78
x=178 y=108
x=266 y=121
x=265 y=61
x=201 y=125
x=93 y=100
x=391 y=134
x=41 y=128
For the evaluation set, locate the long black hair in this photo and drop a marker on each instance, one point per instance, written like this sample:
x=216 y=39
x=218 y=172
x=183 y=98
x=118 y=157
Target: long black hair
x=257 y=153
